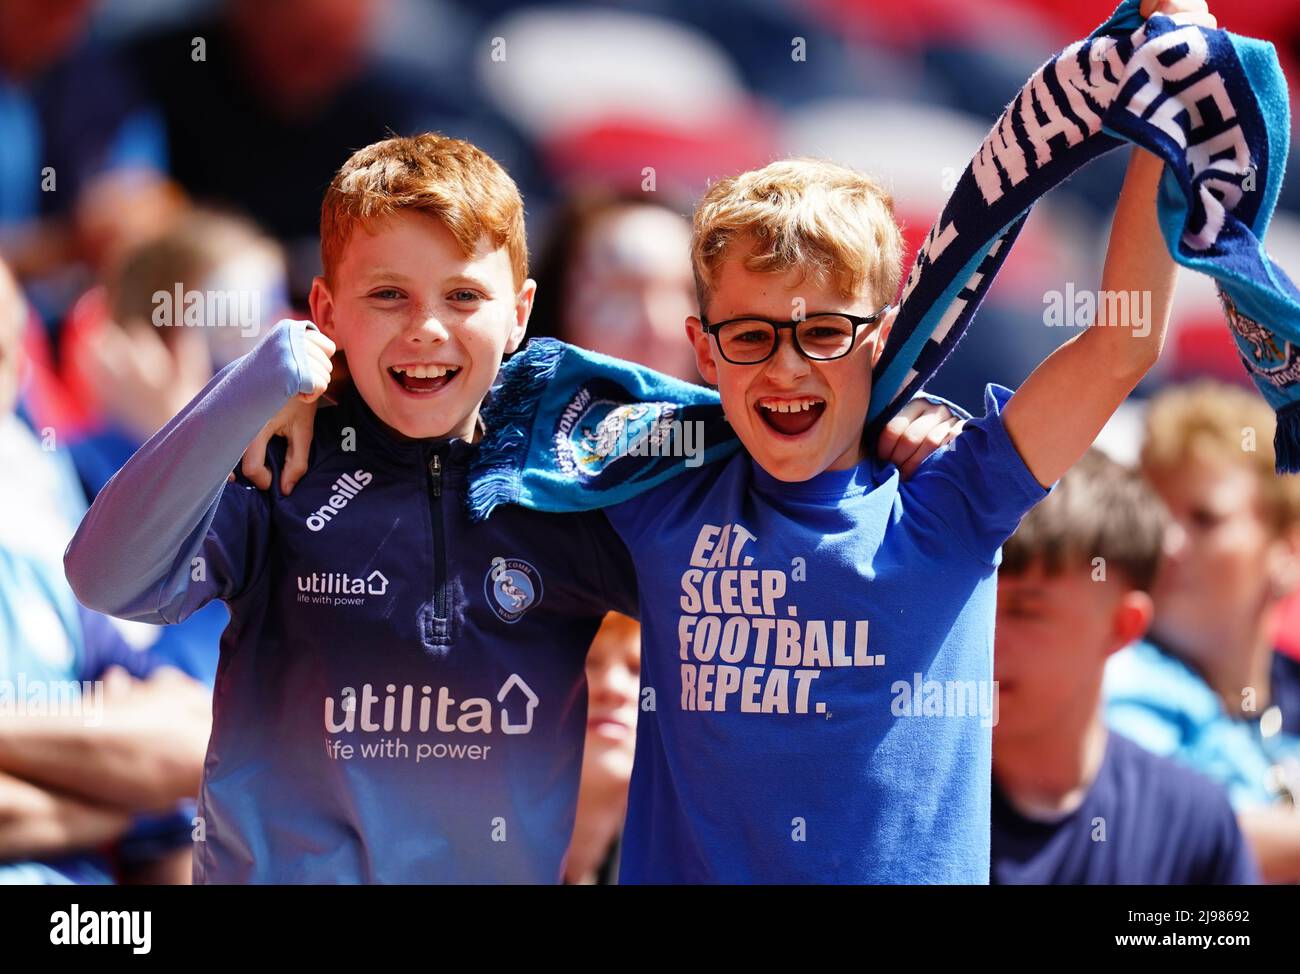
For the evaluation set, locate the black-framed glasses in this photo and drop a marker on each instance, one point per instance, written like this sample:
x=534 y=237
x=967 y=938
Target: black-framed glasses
x=820 y=337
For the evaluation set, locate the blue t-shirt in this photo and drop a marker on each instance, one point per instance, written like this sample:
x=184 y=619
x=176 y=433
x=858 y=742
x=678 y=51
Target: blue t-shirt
x=1145 y=821
x=821 y=661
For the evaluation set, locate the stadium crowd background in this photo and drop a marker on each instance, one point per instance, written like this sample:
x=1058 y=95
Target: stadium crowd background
x=176 y=145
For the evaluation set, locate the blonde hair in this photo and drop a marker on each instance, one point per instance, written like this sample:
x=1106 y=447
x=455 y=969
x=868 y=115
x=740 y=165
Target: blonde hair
x=448 y=178
x=834 y=224
x=1212 y=420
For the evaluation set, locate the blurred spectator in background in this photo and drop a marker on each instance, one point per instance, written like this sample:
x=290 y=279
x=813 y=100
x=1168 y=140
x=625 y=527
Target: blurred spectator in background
x=615 y=277
x=1207 y=687
x=1288 y=626
x=89 y=772
x=136 y=352
x=174 y=310
x=613 y=684
x=78 y=765
x=1073 y=803
x=641 y=95
x=81 y=152
x=39 y=492
x=265 y=101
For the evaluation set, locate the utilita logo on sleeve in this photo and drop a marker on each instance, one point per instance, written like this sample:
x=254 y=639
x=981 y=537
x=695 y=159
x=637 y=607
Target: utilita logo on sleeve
x=345 y=489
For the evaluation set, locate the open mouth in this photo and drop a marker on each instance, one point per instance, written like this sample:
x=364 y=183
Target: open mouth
x=791 y=417
x=422 y=380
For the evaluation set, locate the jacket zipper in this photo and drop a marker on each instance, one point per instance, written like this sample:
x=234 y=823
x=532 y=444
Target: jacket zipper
x=439 y=541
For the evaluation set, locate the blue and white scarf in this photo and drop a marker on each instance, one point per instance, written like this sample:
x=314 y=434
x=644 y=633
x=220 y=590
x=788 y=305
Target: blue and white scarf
x=573 y=430
x=570 y=430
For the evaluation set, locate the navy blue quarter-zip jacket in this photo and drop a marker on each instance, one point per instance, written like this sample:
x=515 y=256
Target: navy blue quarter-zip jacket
x=400 y=695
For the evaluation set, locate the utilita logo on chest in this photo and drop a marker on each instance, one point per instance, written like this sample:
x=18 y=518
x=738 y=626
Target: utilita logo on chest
x=345 y=489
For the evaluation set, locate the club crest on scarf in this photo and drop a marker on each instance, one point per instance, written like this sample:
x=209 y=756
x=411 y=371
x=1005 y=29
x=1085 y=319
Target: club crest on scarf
x=1280 y=367
x=573 y=430
x=599 y=426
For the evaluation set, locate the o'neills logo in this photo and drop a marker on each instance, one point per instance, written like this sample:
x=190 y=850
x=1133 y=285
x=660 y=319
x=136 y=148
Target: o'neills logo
x=345 y=488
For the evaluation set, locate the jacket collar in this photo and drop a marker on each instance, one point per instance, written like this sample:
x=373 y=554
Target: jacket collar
x=456 y=452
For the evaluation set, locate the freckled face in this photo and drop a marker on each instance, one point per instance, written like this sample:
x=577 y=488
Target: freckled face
x=424 y=326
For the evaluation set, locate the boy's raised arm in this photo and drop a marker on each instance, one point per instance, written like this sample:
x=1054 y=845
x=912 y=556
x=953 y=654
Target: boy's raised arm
x=131 y=555
x=1059 y=410
x=1057 y=413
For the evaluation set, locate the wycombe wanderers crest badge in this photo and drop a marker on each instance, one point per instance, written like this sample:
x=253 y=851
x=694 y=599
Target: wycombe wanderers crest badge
x=512 y=587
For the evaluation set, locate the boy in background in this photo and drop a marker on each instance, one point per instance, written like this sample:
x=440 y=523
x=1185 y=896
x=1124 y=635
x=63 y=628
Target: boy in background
x=137 y=356
x=1207 y=688
x=98 y=742
x=1074 y=803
